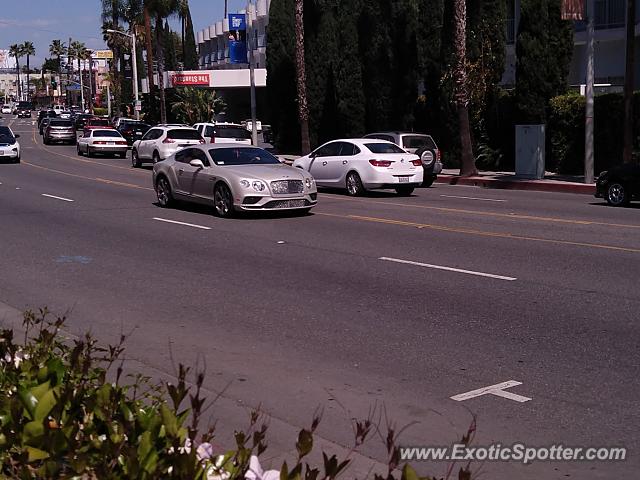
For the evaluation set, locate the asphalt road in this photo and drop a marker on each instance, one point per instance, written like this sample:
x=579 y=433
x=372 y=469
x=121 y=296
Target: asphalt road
x=291 y=313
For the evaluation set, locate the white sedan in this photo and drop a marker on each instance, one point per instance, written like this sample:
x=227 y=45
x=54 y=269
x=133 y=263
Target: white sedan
x=9 y=146
x=6 y=110
x=363 y=164
x=105 y=141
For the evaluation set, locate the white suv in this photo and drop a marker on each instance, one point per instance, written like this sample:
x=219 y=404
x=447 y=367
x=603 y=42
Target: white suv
x=161 y=142
x=223 y=133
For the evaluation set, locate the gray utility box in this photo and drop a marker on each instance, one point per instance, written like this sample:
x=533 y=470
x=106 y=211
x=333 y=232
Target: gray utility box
x=530 y=151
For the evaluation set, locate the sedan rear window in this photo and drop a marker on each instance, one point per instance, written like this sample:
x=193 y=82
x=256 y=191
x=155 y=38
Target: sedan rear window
x=232 y=132
x=242 y=156
x=107 y=133
x=384 y=148
x=184 y=134
x=418 y=141
x=99 y=122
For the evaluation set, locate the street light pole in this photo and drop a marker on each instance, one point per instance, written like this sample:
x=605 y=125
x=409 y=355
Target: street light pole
x=134 y=60
x=252 y=76
x=588 y=126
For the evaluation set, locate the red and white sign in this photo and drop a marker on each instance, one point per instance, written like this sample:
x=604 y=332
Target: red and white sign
x=197 y=79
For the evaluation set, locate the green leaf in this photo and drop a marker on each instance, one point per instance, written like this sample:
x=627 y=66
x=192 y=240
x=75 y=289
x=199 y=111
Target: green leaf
x=39 y=390
x=169 y=420
x=28 y=400
x=32 y=431
x=46 y=404
x=305 y=443
x=284 y=472
x=36 y=454
x=408 y=473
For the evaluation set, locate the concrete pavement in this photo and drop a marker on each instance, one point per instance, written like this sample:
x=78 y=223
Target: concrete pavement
x=401 y=302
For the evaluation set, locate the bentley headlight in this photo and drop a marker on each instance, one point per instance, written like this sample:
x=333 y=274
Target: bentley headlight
x=259 y=186
x=245 y=183
x=308 y=182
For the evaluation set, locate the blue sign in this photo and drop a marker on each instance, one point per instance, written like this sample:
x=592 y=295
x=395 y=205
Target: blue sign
x=237 y=21
x=73 y=87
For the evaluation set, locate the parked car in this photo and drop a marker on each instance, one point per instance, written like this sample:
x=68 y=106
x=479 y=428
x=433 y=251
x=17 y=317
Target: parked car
x=233 y=178
x=420 y=144
x=132 y=130
x=66 y=114
x=161 y=142
x=81 y=119
x=43 y=124
x=59 y=130
x=24 y=109
x=102 y=141
x=223 y=133
x=363 y=164
x=9 y=145
x=6 y=109
x=619 y=185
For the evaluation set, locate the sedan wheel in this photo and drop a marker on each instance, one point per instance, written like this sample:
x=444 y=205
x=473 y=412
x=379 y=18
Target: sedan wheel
x=404 y=191
x=354 y=185
x=156 y=157
x=163 y=191
x=617 y=195
x=223 y=201
x=135 y=160
x=78 y=150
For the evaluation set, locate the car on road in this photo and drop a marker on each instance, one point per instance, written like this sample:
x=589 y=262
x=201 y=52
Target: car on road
x=224 y=133
x=9 y=145
x=102 y=141
x=132 y=130
x=43 y=124
x=619 y=185
x=45 y=113
x=66 y=114
x=96 y=122
x=359 y=165
x=6 y=109
x=420 y=144
x=24 y=109
x=59 y=130
x=162 y=141
x=81 y=119
x=233 y=178
x=248 y=124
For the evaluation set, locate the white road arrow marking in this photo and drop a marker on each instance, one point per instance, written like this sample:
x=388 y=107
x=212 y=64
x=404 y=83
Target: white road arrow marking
x=498 y=390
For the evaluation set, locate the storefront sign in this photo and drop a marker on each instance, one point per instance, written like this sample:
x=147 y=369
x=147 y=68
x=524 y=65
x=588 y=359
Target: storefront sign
x=199 y=79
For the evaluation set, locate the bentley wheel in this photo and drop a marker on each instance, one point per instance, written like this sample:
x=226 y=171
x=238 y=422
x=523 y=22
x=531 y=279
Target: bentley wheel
x=223 y=201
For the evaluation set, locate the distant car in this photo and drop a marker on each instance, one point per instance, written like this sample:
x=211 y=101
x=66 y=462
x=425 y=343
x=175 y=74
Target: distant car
x=132 y=130
x=9 y=146
x=619 y=185
x=45 y=113
x=102 y=141
x=248 y=124
x=6 y=110
x=59 y=130
x=24 y=109
x=232 y=178
x=161 y=142
x=66 y=114
x=95 y=122
x=223 y=133
x=58 y=109
x=43 y=124
x=420 y=144
x=359 y=164
x=81 y=119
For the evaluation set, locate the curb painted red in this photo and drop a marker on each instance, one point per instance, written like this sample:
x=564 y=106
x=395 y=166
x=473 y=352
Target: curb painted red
x=516 y=184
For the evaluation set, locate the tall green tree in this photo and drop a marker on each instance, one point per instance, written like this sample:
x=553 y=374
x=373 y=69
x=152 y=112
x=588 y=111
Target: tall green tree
x=171 y=47
x=57 y=49
x=543 y=49
x=189 y=50
x=301 y=77
x=15 y=51
x=195 y=105
x=28 y=50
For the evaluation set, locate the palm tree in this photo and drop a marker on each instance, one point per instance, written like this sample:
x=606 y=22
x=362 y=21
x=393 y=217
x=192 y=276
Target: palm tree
x=15 y=51
x=461 y=95
x=301 y=74
x=146 y=11
x=78 y=50
x=28 y=49
x=197 y=105
x=57 y=49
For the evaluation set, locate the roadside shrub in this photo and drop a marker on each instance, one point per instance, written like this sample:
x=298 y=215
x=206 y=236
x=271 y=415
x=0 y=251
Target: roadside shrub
x=64 y=413
x=565 y=134
x=100 y=111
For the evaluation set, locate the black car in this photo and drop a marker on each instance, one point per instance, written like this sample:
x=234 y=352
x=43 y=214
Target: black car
x=619 y=185
x=44 y=124
x=132 y=130
x=44 y=114
x=24 y=109
x=81 y=120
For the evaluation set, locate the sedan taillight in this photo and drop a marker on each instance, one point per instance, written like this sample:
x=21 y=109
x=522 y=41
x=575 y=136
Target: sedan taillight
x=380 y=163
x=417 y=163
x=438 y=155
x=99 y=142
x=121 y=143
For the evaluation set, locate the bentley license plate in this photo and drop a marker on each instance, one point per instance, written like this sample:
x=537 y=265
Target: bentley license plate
x=292 y=203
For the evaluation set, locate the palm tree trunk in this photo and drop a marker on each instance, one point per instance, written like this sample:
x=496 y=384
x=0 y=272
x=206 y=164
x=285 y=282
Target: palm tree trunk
x=184 y=50
x=627 y=152
x=149 y=48
x=301 y=74
x=160 y=50
x=28 y=86
x=467 y=164
x=19 y=86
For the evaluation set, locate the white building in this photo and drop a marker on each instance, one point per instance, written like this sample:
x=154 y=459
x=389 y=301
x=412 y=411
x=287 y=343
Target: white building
x=610 y=34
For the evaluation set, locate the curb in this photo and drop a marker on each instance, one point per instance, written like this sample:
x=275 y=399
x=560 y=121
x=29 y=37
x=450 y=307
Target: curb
x=517 y=184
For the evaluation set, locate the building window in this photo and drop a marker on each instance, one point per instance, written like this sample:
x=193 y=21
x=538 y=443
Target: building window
x=510 y=22
x=610 y=13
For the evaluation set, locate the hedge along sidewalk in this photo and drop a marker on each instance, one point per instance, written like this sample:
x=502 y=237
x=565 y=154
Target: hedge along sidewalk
x=510 y=181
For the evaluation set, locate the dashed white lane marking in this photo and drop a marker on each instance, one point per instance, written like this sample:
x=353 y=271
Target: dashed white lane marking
x=57 y=198
x=498 y=390
x=448 y=269
x=474 y=198
x=193 y=225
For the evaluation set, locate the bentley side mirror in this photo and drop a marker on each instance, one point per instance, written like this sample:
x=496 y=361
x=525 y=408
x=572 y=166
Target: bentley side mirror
x=196 y=163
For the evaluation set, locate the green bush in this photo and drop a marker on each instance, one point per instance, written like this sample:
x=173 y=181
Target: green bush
x=65 y=414
x=565 y=134
x=100 y=111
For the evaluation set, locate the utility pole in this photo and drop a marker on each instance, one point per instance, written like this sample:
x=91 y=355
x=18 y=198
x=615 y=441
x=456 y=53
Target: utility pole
x=134 y=66
x=69 y=65
x=627 y=152
x=588 y=124
x=254 y=122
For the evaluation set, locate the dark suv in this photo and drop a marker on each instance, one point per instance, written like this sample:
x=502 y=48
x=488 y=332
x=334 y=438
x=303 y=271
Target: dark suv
x=132 y=130
x=59 y=130
x=24 y=109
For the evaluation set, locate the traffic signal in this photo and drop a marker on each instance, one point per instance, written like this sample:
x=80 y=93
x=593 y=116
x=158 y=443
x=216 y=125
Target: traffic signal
x=54 y=85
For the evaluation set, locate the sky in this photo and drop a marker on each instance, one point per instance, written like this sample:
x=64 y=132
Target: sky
x=41 y=21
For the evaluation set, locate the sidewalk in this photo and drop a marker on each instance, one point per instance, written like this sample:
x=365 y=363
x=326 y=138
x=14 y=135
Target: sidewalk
x=509 y=181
